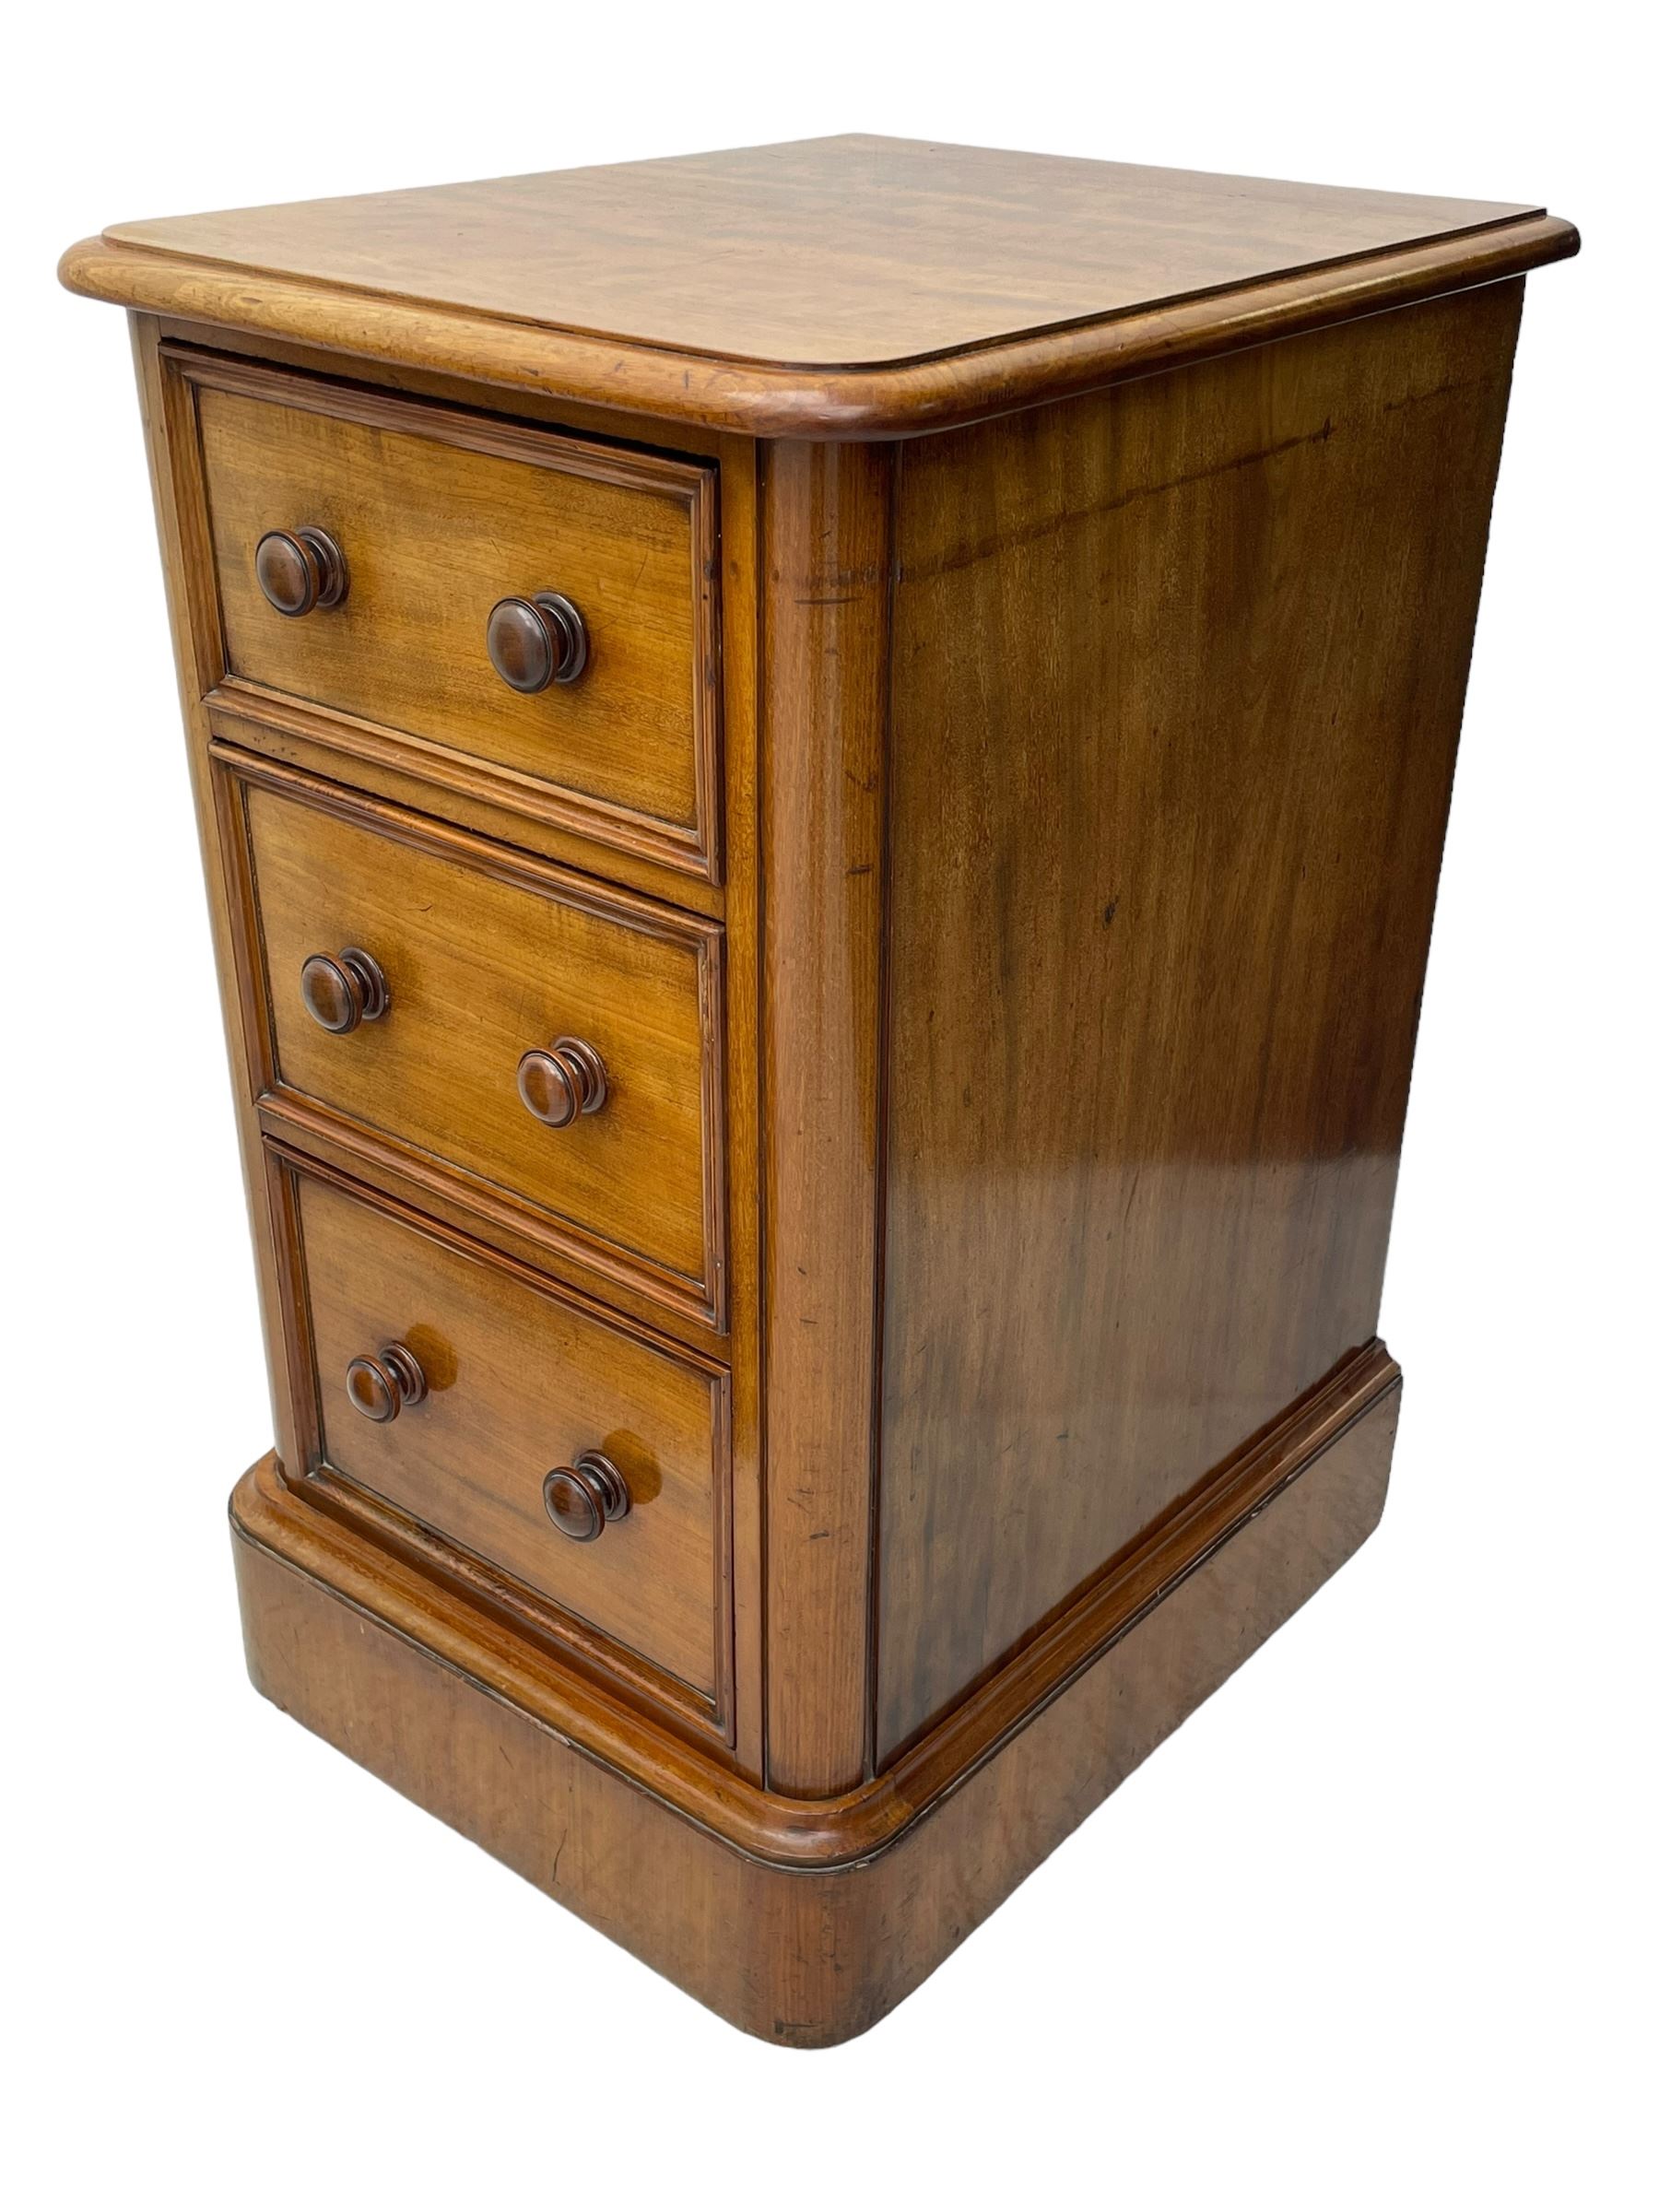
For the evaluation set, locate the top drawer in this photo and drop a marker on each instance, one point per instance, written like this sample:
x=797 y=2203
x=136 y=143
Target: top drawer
x=439 y=515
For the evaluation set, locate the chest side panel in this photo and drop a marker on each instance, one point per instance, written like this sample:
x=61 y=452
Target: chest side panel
x=1177 y=673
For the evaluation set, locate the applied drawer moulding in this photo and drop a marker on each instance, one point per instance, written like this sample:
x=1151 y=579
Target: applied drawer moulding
x=702 y=1299
x=556 y=1630
x=693 y=846
x=732 y=1728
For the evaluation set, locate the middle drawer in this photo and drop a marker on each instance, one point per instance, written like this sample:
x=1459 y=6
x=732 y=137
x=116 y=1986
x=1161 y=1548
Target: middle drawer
x=540 y=1036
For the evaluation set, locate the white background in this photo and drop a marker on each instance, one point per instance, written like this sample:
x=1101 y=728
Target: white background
x=1375 y=1927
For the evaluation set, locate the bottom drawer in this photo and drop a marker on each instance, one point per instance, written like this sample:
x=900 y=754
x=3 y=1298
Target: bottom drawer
x=455 y=1385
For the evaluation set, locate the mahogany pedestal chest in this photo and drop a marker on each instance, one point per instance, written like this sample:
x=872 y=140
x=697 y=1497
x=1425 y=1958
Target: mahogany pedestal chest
x=821 y=772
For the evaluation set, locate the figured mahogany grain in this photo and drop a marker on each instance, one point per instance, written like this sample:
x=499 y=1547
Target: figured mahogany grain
x=174 y=461
x=335 y=748
x=439 y=515
x=830 y=251
x=824 y=612
x=486 y=957
x=848 y=287
x=1178 y=677
x=446 y=1710
x=1017 y=845
x=519 y=1382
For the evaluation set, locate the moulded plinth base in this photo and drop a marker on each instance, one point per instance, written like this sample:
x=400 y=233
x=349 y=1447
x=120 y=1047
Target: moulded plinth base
x=801 y=1923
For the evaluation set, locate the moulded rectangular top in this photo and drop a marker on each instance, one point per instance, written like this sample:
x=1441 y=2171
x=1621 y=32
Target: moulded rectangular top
x=847 y=285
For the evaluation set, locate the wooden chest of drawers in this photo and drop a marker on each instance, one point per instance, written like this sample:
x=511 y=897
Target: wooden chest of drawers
x=822 y=810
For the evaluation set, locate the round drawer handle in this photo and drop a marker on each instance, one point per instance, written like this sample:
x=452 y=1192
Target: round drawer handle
x=381 y=1387
x=339 y=993
x=562 y=1080
x=537 y=642
x=582 y=1499
x=300 y=570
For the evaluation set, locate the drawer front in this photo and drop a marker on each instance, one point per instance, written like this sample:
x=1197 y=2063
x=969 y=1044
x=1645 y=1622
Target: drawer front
x=519 y=1380
x=486 y=956
x=439 y=515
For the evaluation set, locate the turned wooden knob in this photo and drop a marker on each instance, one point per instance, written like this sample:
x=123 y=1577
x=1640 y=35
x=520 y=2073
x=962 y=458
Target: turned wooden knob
x=562 y=1080
x=381 y=1387
x=537 y=642
x=343 y=992
x=298 y=570
x=582 y=1499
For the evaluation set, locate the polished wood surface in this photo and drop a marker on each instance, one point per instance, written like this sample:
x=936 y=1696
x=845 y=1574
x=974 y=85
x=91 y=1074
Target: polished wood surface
x=805 y=1834
x=820 y=1064
x=518 y=1381
x=332 y=747
x=301 y=570
x=832 y=251
x=560 y=1081
x=341 y=994
x=1177 y=680
x=485 y=958
x=942 y=391
x=537 y=642
x=868 y=285
x=379 y=1385
x=827 y=517
x=456 y=1717
x=440 y=516
x=173 y=455
x=585 y=1499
